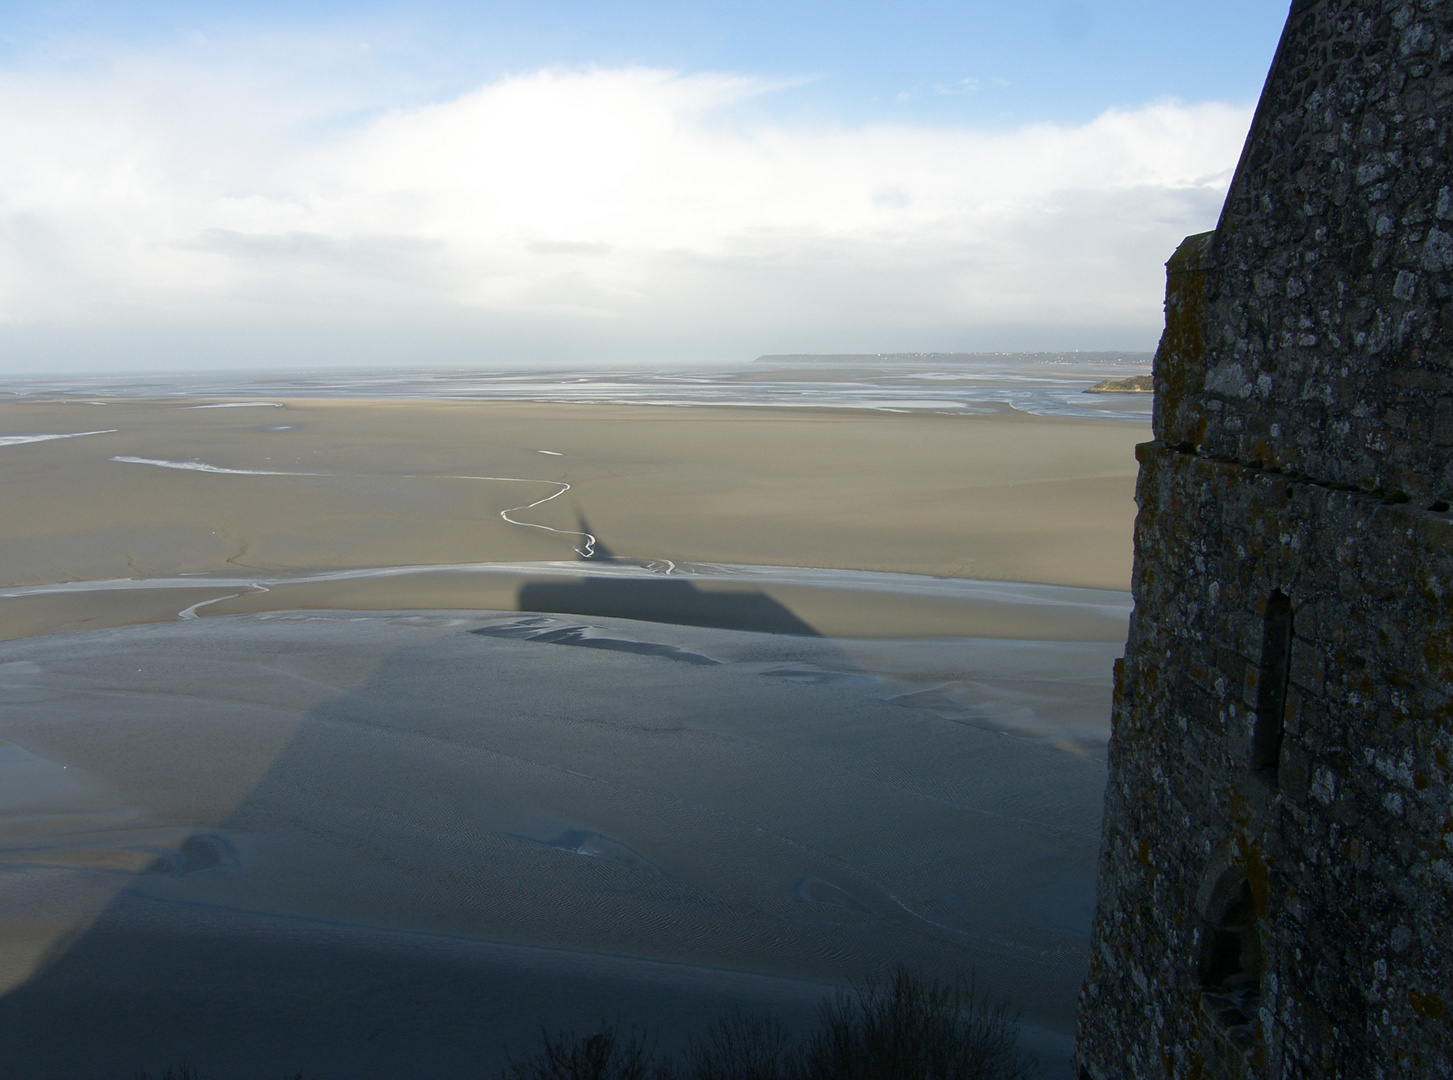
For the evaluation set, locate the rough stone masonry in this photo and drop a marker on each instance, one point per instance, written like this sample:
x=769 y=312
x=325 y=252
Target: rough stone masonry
x=1277 y=862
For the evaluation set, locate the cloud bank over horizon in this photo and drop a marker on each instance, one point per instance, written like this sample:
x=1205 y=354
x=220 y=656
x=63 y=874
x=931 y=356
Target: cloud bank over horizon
x=160 y=214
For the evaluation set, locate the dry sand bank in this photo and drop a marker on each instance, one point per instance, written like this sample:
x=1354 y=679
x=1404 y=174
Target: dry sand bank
x=1005 y=497
x=267 y=816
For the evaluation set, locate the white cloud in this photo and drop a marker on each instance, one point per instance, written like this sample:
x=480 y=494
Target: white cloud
x=630 y=205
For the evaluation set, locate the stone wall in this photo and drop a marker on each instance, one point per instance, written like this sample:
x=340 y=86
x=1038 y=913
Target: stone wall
x=1276 y=879
x=1329 y=312
x=1344 y=842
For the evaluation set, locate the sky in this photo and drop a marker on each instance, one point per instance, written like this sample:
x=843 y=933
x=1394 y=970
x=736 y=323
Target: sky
x=190 y=186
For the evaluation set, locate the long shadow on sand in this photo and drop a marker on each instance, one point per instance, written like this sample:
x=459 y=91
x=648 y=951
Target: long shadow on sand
x=409 y=878
x=394 y=844
x=671 y=600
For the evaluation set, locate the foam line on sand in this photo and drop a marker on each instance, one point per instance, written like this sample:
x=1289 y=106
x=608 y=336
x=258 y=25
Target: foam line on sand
x=240 y=405
x=203 y=467
x=20 y=440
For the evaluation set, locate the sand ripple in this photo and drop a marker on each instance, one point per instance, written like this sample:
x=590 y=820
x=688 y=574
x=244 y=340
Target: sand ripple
x=595 y=846
x=552 y=632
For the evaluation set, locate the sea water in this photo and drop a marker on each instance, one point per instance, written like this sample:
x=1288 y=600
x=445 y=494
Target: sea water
x=905 y=383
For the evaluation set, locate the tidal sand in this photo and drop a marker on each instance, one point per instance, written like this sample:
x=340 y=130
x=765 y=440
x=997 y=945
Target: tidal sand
x=365 y=737
x=293 y=489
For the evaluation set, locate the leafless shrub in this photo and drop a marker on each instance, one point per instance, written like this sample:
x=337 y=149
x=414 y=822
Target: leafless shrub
x=741 y=1046
x=607 y=1054
x=907 y=1027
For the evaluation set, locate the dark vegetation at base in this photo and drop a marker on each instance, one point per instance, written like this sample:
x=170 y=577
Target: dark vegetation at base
x=904 y=1027
x=901 y=1028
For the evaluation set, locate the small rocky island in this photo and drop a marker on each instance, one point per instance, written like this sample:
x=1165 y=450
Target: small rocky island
x=1135 y=384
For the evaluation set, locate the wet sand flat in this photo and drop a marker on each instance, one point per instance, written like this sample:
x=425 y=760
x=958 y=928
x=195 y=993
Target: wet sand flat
x=263 y=813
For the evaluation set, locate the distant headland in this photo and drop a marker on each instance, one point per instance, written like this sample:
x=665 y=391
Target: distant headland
x=958 y=358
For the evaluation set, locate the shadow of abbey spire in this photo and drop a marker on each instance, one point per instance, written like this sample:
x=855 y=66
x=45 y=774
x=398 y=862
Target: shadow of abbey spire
x=661 y=598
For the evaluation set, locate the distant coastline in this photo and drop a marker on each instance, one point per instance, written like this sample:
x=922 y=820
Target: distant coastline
x=957 y=358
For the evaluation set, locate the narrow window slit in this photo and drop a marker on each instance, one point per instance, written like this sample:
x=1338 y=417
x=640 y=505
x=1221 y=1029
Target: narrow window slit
x=1271 y=695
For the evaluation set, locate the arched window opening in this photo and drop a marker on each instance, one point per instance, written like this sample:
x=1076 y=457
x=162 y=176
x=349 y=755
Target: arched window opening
x=1271 y=694
x=1231 y=965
